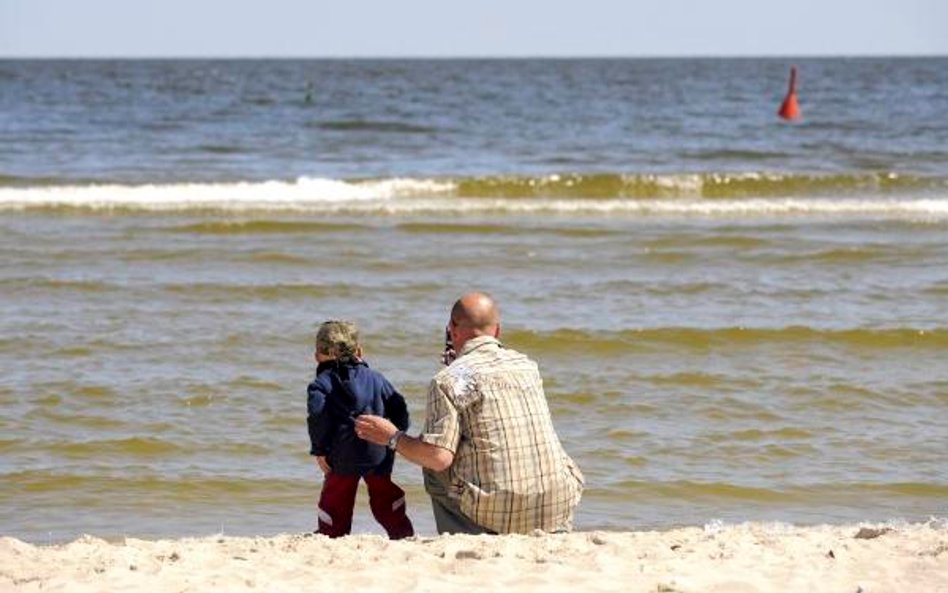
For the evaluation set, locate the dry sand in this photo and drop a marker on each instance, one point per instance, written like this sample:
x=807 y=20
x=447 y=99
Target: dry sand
x=732 y=559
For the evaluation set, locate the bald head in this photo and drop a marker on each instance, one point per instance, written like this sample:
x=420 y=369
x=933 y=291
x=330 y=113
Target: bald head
x=477 y=313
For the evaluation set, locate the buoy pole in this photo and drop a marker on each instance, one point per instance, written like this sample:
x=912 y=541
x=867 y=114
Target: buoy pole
x=790 y=108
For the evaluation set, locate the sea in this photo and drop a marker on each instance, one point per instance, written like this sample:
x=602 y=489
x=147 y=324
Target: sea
x=737 y=318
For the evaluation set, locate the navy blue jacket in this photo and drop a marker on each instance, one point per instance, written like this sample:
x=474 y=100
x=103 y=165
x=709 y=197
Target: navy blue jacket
x=340 y=392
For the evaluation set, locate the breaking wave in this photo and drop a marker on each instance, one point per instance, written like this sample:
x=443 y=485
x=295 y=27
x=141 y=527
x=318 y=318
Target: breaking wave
x=731 y=195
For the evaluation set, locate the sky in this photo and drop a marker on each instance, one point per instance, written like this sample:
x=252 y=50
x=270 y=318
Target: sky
x=475 y=28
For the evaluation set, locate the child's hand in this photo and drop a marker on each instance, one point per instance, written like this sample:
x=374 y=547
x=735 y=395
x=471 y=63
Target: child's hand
x=323 y=464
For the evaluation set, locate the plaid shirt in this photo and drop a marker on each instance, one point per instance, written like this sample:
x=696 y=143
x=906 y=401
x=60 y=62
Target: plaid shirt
x=510 y=472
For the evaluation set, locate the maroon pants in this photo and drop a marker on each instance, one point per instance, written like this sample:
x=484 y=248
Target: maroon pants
x=386 y=500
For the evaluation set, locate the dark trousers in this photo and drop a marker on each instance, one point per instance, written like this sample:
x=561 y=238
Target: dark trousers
x=386 y=500
x=447 y=513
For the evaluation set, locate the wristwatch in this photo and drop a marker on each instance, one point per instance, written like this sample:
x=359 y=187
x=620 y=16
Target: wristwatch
x=393 y=442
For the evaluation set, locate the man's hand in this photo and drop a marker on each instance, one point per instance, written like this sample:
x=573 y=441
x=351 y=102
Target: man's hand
x=374 y=429
x=323 y=464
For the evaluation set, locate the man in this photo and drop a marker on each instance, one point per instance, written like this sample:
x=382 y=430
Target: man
x=492 y=460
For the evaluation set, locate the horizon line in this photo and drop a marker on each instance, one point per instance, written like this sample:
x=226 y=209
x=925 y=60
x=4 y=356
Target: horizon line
x=485 y=57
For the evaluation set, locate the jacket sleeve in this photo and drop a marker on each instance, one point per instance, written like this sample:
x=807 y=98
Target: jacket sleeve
x=396 y=409
x=317 y=420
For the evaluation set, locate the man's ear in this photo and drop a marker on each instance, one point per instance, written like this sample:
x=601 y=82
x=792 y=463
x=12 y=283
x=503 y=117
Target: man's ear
x=497 y=331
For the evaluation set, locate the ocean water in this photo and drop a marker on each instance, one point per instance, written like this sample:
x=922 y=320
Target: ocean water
x=737 y=318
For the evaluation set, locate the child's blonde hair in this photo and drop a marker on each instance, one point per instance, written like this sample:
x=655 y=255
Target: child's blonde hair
x=338 y=339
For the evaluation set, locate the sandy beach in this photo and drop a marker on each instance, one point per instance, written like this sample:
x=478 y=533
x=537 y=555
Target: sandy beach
x=752 y=557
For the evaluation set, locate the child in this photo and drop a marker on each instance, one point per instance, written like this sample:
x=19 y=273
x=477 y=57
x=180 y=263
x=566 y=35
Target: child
x=344 y=388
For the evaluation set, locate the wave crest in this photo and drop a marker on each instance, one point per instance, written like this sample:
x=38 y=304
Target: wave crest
x=728 y=195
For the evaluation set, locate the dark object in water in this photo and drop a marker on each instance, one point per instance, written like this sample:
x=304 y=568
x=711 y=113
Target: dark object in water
x=871 y=533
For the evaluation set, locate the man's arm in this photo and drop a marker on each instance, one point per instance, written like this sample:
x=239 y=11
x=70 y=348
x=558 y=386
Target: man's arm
x=378 y=430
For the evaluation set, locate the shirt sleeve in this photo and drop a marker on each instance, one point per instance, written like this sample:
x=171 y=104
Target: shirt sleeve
x=396 y=409
x=442 y=427
x=320 y=435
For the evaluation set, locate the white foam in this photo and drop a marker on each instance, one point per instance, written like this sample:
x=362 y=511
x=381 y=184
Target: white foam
x=304 y=193
x=927 y=209
x=433 y=196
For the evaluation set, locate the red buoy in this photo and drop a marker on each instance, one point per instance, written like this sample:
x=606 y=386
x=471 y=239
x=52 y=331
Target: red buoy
x=790 y=109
